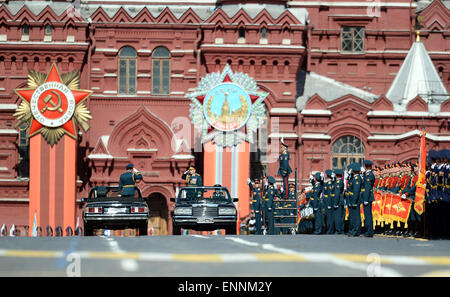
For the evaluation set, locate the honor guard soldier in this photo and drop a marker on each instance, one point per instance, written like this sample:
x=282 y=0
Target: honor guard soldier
x=355 y=202
x=446 y=192
x=128 y=180
x=440 y=178
x=269 y=195
x=328 y=189
x=192 y=179
x=256 y=204
x=447 y=177
x=434 y=174
x=338 y=202
x=414 y=218
x=284 y=169
x=316 y=202
x=432 y=209
x=368 y=197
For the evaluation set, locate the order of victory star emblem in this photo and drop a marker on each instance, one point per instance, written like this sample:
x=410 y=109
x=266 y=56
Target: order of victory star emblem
x=52 y=105
x=227 y=108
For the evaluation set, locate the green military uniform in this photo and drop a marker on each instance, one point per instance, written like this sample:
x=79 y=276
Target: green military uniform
x=316 y=203
x=367 y=198
x=193 y=180
x=414 y=219
x=355 y=202
x=328 y=189
x=338 y=202
x=277 y=212
x=256 y=204
x=127 y=181
x=284 y=169
x=269 y=195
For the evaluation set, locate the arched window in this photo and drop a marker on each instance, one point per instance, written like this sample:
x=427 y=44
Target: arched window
x=241 y=31
x=264 y=33
x=346 y=150
x=25 y=30
x=161 y=71
x=23 y=168
x=127 y=70
x=48 y=29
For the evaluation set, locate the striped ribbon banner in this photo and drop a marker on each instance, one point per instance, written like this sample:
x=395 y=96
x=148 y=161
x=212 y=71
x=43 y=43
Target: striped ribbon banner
x=229 y=167
x=52 y=183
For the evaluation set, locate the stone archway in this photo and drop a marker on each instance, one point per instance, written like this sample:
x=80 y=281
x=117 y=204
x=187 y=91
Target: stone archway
x=159 y=214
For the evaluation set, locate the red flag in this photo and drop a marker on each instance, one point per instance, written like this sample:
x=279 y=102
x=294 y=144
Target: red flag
x=421 y=182
x=376 y=207
x=387 y=208
x=400 y=209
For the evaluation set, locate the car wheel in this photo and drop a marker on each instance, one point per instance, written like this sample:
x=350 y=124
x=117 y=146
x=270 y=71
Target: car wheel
x=176 y=230
x=88 y=230
x=230 y=230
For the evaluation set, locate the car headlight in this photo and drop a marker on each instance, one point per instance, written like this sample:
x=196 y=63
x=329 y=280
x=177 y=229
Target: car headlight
x=183 y=211
x=227 y=211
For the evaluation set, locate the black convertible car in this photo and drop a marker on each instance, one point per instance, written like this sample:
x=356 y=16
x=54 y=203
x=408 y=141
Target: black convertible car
x=204 y=209
x=104 y=209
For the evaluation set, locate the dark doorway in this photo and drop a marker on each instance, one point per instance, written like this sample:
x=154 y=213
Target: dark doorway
x=159 y=214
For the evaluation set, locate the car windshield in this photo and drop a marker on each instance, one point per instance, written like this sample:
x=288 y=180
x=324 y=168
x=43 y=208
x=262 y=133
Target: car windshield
x=208 y=194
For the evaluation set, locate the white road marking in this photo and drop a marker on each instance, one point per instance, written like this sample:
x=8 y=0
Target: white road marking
x=199 y=236
x=242 y=241
x=129 y=265
x=339 y=259
x=239 y=258
x=330 y=258
x=405 y=260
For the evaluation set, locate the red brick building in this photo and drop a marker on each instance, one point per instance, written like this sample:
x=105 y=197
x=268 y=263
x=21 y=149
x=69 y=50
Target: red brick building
x=327 y=66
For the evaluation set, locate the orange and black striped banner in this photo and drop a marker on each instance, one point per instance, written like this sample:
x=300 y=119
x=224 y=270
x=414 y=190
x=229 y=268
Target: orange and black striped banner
x=229 y=167
x=421 y=182
x=52 y=183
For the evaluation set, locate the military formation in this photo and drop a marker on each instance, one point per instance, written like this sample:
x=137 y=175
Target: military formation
x=274 y=210
x=362 y=200
x=437 y=198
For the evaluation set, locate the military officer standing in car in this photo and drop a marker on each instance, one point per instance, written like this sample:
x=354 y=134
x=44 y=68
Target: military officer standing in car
x=192 y=179
x=256 y=204
x=128 y=180
x=368 y=197
x=284 y=169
